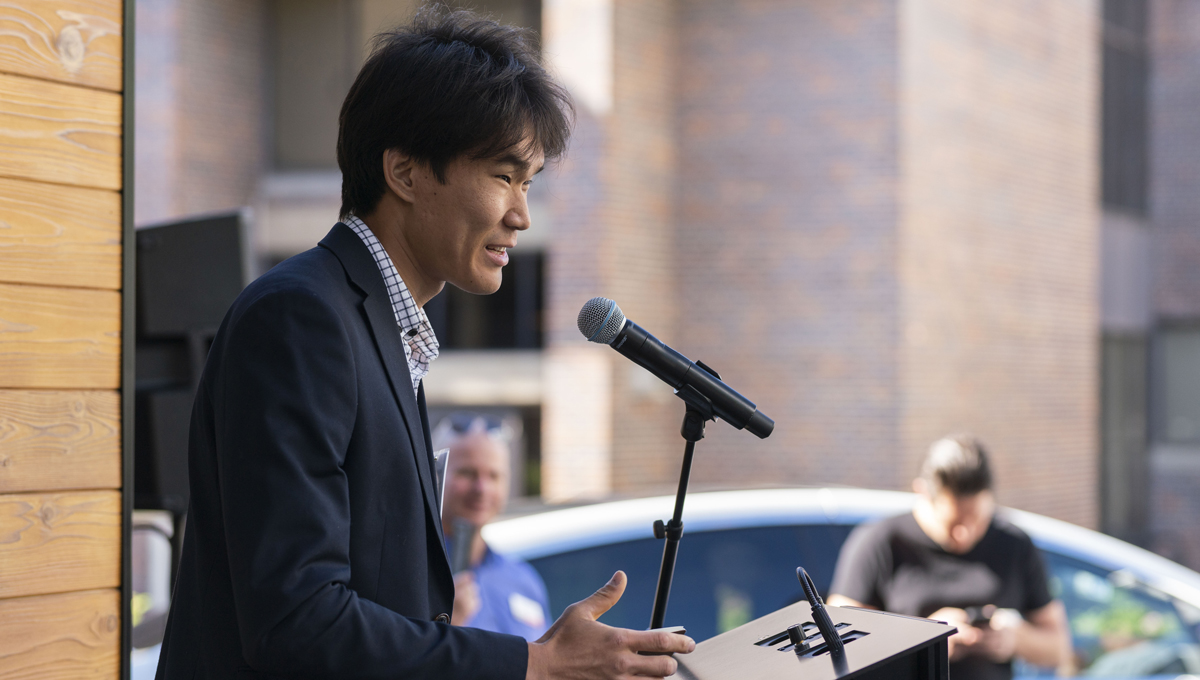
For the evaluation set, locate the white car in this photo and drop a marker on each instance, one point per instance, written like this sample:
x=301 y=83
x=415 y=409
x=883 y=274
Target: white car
x=1132 y=613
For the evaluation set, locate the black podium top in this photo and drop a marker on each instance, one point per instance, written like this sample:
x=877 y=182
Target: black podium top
x=877 y=644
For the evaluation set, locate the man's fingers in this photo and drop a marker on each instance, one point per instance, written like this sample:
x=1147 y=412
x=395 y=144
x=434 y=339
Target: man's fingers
x=659 y=642
x=651 y=666
x=602 y=600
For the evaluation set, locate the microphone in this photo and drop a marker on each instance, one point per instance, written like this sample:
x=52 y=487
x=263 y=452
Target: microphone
x=601 y=320
x=460 y=549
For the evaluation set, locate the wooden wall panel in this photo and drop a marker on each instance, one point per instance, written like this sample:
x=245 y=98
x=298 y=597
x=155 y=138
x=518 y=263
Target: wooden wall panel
x=59 y=133
x=59 y=236
x=74 y=41
x=59 y=542
x=59 y=338
x=59 y=440
x=61 y=637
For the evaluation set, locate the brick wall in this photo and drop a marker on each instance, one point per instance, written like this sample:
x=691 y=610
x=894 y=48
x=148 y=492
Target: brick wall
x=639 y=255
x=201 y=105
x=884 y=229
x=786 y=238
x=613 y=207
x=999 y=241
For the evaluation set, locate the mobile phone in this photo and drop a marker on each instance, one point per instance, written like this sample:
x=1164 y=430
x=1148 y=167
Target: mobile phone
x=981 y=617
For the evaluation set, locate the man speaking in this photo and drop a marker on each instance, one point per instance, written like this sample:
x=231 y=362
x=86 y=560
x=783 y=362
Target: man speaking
x=313 y=546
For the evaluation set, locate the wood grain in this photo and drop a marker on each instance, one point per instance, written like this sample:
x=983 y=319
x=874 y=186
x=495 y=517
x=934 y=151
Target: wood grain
x=61 y=637
x=59 y=133
x=59 y=338
x=56 y=235
x=59 y=542
x=59 y=440
x=73 y=41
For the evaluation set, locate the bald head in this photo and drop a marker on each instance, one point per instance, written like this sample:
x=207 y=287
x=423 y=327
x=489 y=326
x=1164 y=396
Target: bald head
x=477 y=477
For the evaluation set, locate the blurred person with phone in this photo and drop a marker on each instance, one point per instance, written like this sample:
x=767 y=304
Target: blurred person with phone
x=491 y=591
x=954 y=559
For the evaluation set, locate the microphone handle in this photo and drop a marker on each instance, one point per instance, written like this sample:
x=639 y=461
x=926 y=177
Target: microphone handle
x=676 y=370
x=460 y=549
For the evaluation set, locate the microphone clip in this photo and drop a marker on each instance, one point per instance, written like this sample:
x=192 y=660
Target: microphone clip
x=699 y=408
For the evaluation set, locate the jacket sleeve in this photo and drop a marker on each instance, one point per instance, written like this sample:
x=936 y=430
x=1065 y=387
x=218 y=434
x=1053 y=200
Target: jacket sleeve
x=285 y=401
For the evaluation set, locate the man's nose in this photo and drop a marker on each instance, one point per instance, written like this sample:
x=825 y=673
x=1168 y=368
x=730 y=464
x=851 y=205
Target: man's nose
x=517 y=216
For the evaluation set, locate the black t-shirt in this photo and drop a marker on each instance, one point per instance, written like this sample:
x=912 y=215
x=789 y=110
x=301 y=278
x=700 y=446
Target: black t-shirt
x=894 y=566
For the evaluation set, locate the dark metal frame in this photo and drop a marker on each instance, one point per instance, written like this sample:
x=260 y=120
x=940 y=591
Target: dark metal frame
x=128 y=328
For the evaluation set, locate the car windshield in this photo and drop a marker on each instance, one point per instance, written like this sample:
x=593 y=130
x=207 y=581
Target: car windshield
x=1120 y=627
x=722 y=578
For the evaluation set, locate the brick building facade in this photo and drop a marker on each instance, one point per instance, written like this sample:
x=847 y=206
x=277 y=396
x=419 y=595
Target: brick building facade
x=881 y=220
x=882 y=230
x=1174 y=216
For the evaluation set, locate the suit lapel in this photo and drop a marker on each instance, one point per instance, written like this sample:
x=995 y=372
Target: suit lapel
x=437 y=489
x=365 y=274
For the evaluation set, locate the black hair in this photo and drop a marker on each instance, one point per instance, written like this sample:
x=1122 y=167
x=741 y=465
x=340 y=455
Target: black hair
x=958 y=464
x=450 y=84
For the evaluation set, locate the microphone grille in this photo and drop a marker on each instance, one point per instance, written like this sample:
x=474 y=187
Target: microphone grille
x=600 y=320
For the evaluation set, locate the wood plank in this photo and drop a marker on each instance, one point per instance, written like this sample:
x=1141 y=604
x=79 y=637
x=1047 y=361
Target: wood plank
x=59 y=440
x=61 y=637
x=73 y=41
x=59 y=338
x=56 y=235
x=59 y=133
x=59 y=542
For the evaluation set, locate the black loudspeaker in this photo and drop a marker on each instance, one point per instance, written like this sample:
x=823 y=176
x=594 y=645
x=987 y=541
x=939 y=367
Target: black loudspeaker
x=878 y=646
x=188 y=274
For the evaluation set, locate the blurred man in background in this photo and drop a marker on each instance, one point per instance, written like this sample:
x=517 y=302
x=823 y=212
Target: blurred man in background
x=494 y=592
x=952 y=559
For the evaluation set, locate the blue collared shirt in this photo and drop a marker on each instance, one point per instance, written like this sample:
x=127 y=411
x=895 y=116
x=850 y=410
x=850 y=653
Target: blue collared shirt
x=512 y=597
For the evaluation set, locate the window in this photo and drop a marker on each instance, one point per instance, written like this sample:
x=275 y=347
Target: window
x=1178 y=386
x=1124 y=472
x=1124 y=105
x=317 y=47
x=510 y=318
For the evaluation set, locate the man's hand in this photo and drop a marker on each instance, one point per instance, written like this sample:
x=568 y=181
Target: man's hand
x=466 y=598
x=577 y=647
x=968 y=638
x=999 y=643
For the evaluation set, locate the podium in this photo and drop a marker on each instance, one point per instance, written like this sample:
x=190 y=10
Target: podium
x=878 y=645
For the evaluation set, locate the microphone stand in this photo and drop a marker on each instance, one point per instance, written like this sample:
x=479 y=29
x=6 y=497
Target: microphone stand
x=699 y=411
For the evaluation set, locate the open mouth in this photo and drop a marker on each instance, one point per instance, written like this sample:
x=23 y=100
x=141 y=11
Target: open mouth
x=498 y=249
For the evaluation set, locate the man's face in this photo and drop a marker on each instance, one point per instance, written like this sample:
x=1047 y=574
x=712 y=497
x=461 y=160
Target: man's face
x=957 y=523
x=476 y=479
x=465 y=226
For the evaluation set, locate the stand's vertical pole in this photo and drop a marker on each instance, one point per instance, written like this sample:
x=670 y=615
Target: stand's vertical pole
x=692 y=431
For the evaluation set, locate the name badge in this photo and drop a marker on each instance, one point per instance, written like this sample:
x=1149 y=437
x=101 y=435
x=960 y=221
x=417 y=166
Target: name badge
x=527 y=611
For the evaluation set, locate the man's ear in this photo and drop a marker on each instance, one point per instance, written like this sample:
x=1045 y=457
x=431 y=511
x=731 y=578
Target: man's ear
x=399 y=171
x=920 y=487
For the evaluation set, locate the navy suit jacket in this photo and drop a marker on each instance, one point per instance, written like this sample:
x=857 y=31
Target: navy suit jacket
x=313 y=545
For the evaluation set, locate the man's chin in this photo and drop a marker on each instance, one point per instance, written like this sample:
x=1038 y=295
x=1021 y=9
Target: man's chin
x=480 y=286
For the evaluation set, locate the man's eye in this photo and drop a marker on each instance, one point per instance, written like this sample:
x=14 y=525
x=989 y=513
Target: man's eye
x=506 y=178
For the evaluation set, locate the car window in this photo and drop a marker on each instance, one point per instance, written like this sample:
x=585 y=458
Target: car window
x=1119 y=627
x=722 y=578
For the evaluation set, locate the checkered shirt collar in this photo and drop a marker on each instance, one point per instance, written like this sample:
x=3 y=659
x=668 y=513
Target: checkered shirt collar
x=420 y=344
